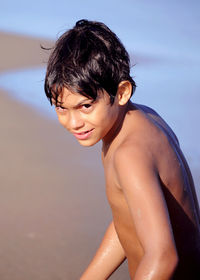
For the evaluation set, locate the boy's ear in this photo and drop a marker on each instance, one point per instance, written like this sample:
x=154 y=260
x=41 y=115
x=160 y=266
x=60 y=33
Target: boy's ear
x=124 y=92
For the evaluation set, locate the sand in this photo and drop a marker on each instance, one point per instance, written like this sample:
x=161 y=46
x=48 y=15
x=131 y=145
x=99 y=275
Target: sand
x=53 y=208
x=52 y=200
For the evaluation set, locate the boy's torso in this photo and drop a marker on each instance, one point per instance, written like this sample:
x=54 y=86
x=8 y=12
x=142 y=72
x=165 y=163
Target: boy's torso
x=143 y=124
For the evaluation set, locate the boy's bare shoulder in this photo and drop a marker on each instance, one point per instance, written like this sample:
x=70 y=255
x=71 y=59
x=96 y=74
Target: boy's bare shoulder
x=144 y=143
x=137 y=149
x=141 y=139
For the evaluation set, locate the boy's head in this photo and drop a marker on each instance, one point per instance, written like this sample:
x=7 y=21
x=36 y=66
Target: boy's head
x=87 y=58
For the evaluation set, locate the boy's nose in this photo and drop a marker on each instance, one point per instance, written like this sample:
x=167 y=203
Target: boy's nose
x=75 y=122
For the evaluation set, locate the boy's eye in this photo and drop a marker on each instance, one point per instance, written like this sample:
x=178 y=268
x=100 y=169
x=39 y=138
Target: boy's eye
x=60 y=109
x=86 y=106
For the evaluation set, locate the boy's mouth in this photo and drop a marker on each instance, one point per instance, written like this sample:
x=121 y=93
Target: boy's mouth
x=83 y=135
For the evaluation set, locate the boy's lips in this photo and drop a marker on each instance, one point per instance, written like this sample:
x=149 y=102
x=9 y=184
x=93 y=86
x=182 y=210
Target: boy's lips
x=83 y=135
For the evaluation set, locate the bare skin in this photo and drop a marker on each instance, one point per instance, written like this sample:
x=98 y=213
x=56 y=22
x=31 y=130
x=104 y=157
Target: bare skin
x=139 y=217
x=148 y=184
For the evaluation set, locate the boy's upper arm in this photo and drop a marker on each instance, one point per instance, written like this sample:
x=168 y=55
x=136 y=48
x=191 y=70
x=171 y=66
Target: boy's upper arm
x=138 y=179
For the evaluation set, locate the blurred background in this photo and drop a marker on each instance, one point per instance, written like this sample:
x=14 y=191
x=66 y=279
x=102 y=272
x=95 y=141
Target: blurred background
x=53 y=206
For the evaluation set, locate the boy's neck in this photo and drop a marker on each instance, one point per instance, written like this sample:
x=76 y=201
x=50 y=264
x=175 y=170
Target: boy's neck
x=113 y=134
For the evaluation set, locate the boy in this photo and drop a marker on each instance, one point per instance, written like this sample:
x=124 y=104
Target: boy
x=156 y=223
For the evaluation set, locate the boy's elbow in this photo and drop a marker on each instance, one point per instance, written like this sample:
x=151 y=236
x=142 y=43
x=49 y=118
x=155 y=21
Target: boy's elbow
x=173 y=260
x=170 y=261
x=164 y=263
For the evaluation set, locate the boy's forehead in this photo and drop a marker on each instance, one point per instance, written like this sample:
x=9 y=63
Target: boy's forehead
x=70 y=98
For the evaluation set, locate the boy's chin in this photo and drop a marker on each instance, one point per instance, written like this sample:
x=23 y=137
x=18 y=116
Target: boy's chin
x=87 y=143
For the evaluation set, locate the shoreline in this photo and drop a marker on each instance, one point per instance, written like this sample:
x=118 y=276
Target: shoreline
x=54 y=209
x=48 y=213
x=53 y=206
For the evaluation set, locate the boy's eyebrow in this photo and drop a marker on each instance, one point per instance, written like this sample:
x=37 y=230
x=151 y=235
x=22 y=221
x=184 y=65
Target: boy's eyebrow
x=82 y=101
x=77 y=105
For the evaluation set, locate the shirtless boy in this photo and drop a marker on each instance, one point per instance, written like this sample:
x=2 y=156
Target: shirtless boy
x=156 y=220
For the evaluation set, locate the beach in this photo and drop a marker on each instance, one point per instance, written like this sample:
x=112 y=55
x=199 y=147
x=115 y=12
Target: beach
x=53 y=205
x=54 y=210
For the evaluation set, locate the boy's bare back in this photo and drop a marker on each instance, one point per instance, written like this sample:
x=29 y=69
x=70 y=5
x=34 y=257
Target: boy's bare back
x=146 y=140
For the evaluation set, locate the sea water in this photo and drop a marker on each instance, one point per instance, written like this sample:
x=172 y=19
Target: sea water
x=162 y=37
x=27 y=85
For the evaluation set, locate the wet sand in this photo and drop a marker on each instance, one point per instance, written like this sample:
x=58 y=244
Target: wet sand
x=52 y=200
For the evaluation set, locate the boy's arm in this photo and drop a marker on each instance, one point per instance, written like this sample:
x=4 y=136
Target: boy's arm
x=108 y=257
x=139 y=180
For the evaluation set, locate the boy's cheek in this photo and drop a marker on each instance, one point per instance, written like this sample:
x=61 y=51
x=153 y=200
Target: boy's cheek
x=62 y=121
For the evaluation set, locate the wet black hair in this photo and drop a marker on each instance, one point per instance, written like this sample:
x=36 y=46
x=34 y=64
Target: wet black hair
x=85 y=59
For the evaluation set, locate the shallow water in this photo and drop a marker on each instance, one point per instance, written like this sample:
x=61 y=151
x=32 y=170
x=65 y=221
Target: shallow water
x=27 y=86
x=44 y=234
x=162 y=38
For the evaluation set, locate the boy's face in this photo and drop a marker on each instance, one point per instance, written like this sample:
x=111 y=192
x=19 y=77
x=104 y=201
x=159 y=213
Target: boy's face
x=88 y=120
